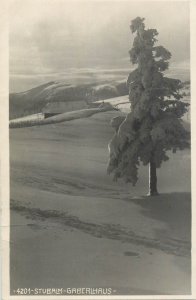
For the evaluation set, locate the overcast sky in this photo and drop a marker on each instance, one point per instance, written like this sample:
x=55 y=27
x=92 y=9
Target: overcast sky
x=51 y=36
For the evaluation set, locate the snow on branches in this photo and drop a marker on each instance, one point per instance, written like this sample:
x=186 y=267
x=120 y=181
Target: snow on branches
x=153 y=126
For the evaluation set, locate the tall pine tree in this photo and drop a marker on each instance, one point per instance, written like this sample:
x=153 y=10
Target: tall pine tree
x=154 y=125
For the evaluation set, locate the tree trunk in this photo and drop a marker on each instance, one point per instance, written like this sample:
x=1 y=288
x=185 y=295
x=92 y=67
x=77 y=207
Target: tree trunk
x=152 y=179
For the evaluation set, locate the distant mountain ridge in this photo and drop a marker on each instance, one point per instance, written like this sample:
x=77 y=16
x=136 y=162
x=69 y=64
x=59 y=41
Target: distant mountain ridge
x=35 y=99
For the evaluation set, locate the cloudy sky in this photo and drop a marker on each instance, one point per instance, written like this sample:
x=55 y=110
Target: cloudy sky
x=50 y=39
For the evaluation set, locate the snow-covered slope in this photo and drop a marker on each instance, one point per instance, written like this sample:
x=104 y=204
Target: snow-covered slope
x=34 y=100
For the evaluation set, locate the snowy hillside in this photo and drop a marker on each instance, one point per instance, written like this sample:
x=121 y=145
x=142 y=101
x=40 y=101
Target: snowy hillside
x=34 y=100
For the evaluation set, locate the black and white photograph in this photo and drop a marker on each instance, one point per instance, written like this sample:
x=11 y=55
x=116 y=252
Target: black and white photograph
x=99 y=149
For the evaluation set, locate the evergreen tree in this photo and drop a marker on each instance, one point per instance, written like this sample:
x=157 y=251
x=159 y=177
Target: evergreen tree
x=154 y=124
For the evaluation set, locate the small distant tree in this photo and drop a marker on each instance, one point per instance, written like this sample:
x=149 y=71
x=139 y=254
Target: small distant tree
x=154 y=124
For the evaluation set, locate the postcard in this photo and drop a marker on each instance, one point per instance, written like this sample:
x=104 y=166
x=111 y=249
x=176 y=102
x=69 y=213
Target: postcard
x=98 y=149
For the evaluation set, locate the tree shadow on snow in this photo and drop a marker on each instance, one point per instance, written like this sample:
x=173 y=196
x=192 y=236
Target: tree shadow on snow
x=173 y=212
x=173 y=209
